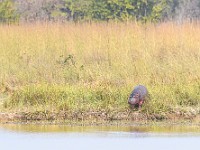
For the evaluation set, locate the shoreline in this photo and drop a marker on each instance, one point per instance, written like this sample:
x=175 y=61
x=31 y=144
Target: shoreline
x=96 y=118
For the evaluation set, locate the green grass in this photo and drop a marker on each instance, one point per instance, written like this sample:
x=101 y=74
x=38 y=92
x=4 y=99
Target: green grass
x=94 y=67
x=101 y=98
x=68 y=98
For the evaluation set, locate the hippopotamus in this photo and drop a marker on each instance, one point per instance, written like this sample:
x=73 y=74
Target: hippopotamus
x=138 y=96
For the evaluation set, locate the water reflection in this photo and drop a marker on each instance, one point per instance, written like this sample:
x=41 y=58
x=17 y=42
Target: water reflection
x=139 y=129
x=51 y=137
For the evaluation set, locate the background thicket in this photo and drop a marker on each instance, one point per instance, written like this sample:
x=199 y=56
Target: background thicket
x=99 y=10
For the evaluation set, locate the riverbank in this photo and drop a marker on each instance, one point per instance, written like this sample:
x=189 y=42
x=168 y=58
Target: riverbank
x=97 y=118
x=100 y=103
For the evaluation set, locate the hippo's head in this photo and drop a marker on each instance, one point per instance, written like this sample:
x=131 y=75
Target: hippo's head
x=134 y=99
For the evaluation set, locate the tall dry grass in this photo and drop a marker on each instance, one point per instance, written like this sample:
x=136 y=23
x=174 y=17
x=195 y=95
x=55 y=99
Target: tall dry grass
x=95 y=66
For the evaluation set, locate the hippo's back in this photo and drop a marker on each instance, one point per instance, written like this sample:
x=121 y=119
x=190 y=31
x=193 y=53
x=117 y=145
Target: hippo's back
x=141 y=90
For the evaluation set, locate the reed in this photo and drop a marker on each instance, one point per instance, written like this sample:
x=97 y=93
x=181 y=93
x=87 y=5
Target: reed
x=87 y=67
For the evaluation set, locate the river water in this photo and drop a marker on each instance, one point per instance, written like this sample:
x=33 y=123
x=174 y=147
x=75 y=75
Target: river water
x=61 y=137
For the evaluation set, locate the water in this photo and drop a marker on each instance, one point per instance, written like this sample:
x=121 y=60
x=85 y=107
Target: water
x=55 y=137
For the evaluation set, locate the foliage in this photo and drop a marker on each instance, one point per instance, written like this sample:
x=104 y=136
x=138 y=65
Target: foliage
x=115 y=9
x=99 y=10
x=7 y=11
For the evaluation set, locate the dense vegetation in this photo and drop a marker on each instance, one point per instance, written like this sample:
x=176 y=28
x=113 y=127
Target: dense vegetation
x=98 y=10
x=93 y=67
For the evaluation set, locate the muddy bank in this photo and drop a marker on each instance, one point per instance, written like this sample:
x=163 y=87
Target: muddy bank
x=92 y=117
